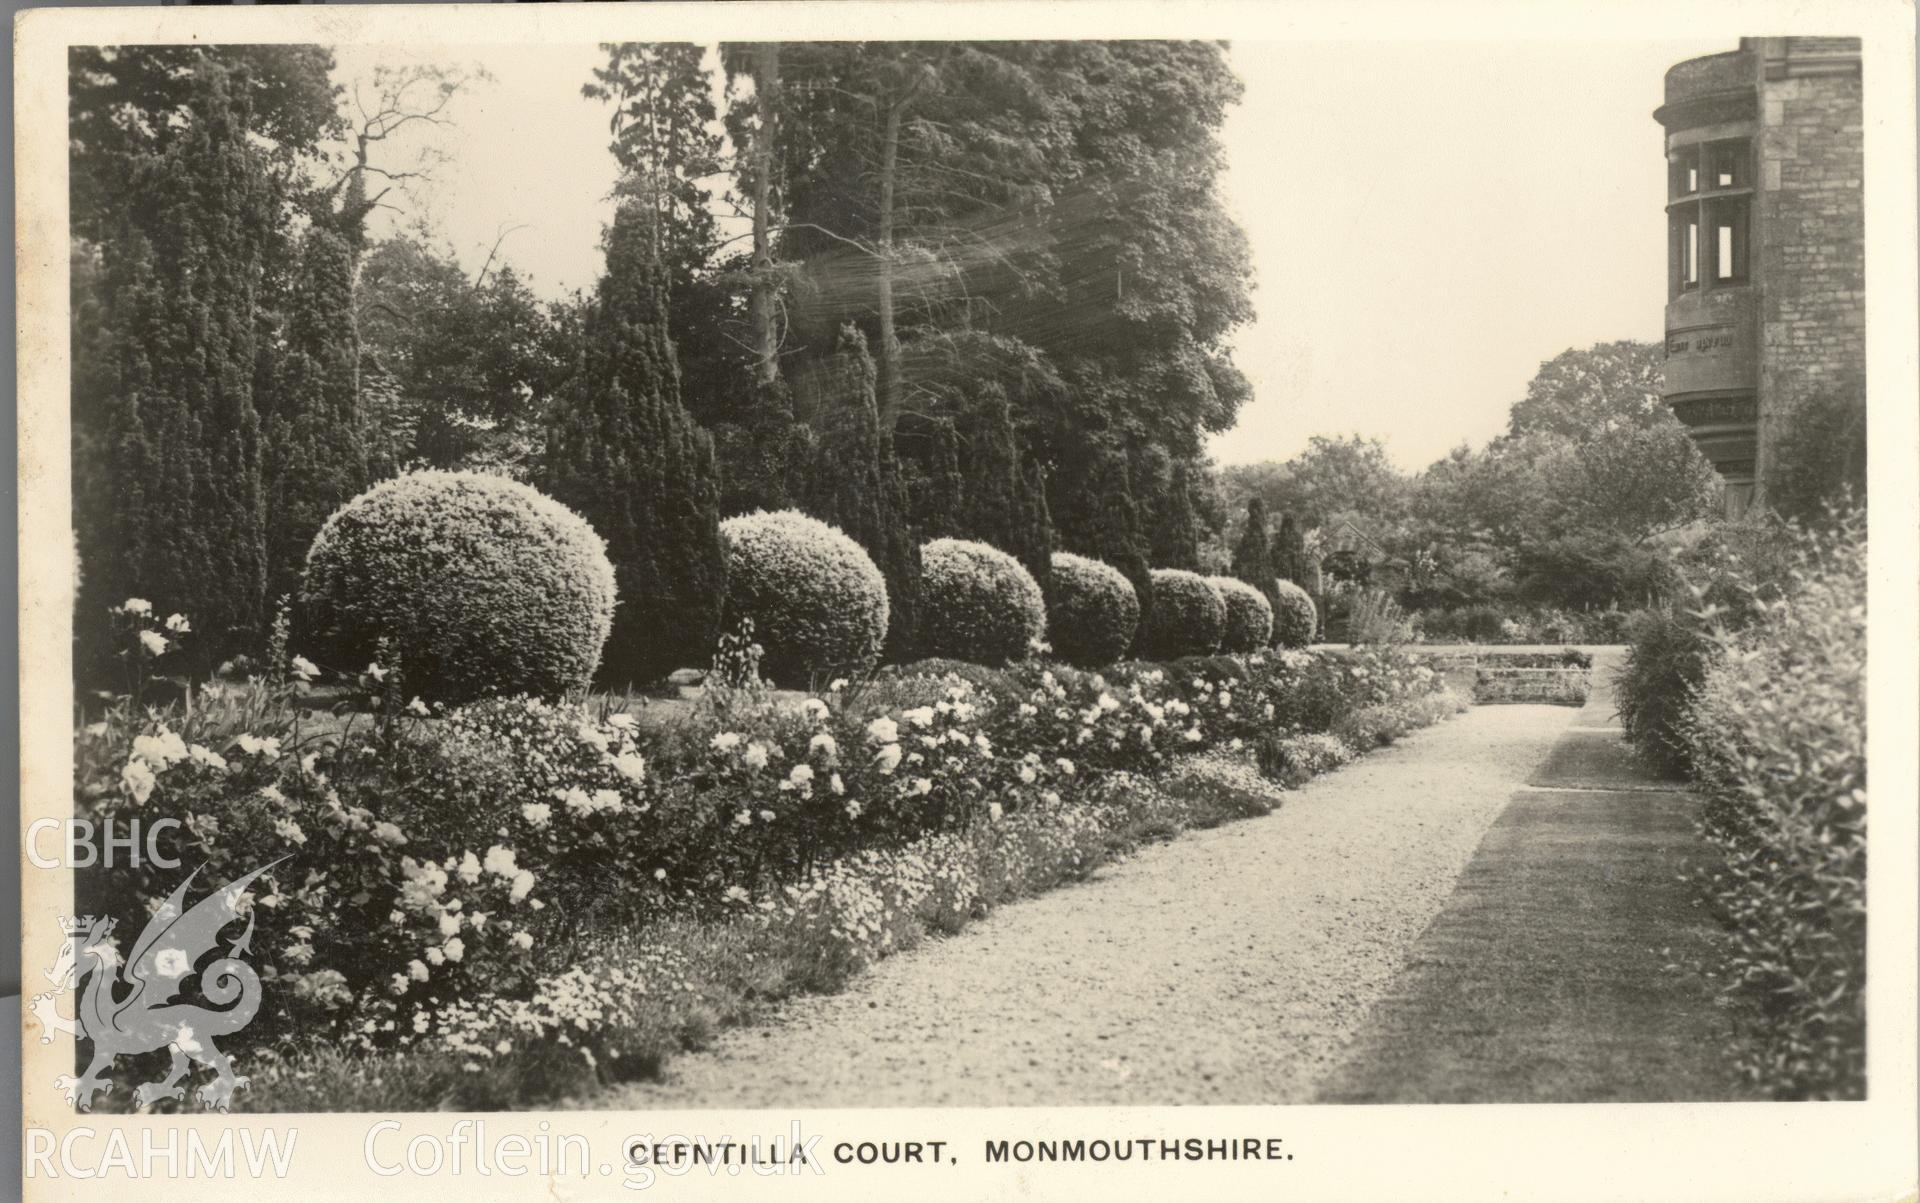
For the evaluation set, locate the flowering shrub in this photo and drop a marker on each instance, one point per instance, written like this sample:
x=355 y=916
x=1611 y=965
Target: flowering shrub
x=566 y=792
x=360 y=915
x=1249 y=615
x=1187 y=617
x=1378 y=725
x=451 y=874
x=817 y=600
x=144 y=640
x=1308 y=692
x=482 y=586
x=978 y=603
x=1776 y=737
x=1295 y=619
x=1092 y=611
x=1294 y=760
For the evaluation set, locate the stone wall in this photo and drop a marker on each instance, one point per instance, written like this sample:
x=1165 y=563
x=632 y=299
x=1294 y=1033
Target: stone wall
x=1811 y=261
x=1532 y=686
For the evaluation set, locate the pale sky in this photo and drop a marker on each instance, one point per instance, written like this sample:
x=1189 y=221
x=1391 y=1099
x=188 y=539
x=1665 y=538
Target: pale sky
x=1429 y=221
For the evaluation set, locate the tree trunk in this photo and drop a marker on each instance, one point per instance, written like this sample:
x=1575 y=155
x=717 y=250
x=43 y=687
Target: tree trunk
x=889 y=374
x=766 y=85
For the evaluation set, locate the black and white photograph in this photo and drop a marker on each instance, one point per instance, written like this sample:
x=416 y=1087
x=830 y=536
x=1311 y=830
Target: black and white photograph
x=980 y=582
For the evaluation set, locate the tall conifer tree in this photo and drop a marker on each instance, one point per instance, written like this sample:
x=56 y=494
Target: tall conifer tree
x=170 y=440
x=315 y=457
x=1107 y=527
x=1001 y=502
x=623 y=452
x=938 y=489
x=1253 y=556
x=1171 y=520
x=857 y=485
x=1290 y=552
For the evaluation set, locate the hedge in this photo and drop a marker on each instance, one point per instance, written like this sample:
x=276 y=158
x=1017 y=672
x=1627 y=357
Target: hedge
x=1188 y=617
x=977 y=603
x=1249 y=615
x=817 y=600
x=1295 y=618
x=478 y=585
x=1093 y=611
x=1775 y=735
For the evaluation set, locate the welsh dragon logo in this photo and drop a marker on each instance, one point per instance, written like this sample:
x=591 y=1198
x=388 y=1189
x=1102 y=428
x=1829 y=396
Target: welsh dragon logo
x=128 y=1007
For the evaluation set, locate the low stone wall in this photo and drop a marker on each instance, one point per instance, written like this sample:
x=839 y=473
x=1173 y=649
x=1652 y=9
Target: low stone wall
x=1494 y=685
x=1533 y=675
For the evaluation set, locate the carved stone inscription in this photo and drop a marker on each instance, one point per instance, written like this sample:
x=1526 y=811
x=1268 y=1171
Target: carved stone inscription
x=1715 y=411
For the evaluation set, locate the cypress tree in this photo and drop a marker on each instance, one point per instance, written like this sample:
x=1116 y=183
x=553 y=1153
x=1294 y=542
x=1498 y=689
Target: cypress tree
x=857 y=485
x=625 y=454
x=316 y=457
x=1294 y=564
x=1104 y=518
x=1173 y=524
x=764 y=458
x=175 y=515
x=938 y=489
x=1290 y=553
x=999 y=502
x=1253 y=556
x=1035 y=541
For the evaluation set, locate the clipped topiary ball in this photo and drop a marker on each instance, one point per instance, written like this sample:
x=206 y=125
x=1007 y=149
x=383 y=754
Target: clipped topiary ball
x=1187 y=618
x=817 y=600
x=479 y=584
x=1295 y=620
x=977 y=603
x=1249 y=622
x=1093 y=612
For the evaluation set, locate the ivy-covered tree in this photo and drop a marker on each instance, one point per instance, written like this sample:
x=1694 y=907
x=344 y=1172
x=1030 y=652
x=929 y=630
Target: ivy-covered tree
x=623 y=452
x=167 y=453
x=895 y=157
x=856 y=484
x=1038 y=215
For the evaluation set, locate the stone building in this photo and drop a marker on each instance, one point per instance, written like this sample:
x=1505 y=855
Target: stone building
x=1766 y=292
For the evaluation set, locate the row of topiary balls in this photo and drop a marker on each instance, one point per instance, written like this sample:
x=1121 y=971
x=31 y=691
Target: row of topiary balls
x=481 y=585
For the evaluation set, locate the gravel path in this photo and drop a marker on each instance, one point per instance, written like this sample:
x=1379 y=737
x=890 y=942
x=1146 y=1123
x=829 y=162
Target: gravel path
x=1229 y=966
